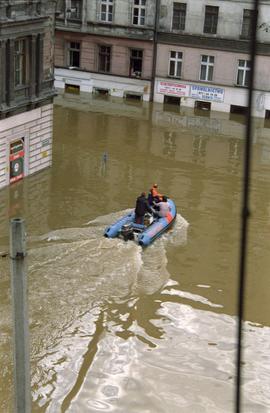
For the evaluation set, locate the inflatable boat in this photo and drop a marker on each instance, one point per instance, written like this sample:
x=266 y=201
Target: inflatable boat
x=144 y=234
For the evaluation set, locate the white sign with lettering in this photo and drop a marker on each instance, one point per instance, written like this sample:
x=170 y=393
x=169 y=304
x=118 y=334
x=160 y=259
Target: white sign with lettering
x=173 y=89
x=215 y=94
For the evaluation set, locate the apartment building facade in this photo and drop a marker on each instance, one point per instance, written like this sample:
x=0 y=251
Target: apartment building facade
x=191 y=53
x=105 y=46
x=203 y=57
x=26 y=88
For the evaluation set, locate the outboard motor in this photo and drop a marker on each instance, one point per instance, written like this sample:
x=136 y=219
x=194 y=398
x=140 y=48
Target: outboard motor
x=148 y=219
x=127 y=232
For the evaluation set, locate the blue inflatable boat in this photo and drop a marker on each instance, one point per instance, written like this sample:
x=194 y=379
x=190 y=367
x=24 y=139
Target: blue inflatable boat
x=145 y=234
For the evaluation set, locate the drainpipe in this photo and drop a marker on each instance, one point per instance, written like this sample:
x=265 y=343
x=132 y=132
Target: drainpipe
x=154 y=62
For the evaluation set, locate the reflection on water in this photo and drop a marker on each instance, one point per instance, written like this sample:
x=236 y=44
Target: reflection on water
x=115 y=327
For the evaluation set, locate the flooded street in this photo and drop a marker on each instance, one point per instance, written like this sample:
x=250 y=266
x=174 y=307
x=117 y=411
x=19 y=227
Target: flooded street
x=118 y=328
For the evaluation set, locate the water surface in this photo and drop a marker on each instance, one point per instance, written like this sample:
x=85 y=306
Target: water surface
x=117 y=328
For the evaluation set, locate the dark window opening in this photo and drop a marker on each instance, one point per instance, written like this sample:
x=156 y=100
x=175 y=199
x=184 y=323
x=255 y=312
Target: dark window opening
x=267 y=114
x=74 y=54
x=179 y=16
x=133 y=96
x=211 y=19
x=74 y=12
x=246 y=24
x=206 y=106
x=104 y=64
x=172 y=100
x=20 y=62
x=101 y=92
x=267 y=119
x=74 y=89
x=240 y=110
x=136 y=58
x=38 y=8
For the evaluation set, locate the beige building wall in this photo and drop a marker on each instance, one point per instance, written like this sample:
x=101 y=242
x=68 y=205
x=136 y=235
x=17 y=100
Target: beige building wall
x=225 y=66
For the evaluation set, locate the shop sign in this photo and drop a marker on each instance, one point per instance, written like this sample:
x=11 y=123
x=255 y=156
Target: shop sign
x=214 y=94
x=173 y=89
x=16 y=160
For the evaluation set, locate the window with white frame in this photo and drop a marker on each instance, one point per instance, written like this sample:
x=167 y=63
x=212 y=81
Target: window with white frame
x=106 y=14
x=207 y=68
x=139 y=12
x=19 y=62
x=243 y=73
x=74 y=54
x=179 y=16
x=175 y=64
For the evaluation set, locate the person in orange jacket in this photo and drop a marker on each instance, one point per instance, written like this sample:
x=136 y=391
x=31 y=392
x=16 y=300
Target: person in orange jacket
x=154 y=195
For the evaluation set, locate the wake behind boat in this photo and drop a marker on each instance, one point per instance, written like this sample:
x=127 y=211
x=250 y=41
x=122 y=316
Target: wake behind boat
x=143 y=234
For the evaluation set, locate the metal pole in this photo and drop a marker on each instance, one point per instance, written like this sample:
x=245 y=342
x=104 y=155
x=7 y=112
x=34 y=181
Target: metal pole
x=245 y=210
x=20 y=317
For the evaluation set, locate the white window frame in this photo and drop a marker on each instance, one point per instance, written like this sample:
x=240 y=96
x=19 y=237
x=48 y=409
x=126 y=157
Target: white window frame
x=245 y=68
x=106 y=11
x=178 y=59
x=209 y=65
x=139 y=5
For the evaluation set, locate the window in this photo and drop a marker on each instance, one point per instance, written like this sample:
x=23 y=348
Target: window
x=175 y=64
x=106 y=10
x=179 y=16
x=19 y=62
x=104 y=63
x=139 y=12
x=210 y=20
x=207 y=68
x=243 y=74
x=136 y=58
x=74 y=54
x=246 y=24
x=75 y=10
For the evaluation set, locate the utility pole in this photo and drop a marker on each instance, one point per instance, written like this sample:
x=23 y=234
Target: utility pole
x=20 y=317
x=154 y=64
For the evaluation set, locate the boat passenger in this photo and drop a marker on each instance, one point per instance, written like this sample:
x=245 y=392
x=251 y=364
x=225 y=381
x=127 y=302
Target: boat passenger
x=142 y=206
x=154 y=195
x=164 y=208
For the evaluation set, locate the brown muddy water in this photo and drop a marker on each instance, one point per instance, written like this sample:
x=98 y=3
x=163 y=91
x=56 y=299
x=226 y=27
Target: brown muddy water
x=115 y=328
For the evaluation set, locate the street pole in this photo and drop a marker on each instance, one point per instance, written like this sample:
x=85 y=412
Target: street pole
x=22 y=392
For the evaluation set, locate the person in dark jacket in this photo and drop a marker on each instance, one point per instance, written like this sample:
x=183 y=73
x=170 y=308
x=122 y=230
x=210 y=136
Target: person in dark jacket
x=142 y=206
